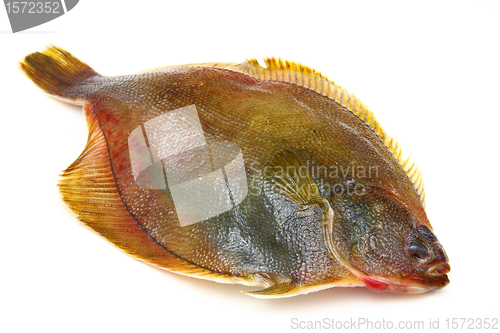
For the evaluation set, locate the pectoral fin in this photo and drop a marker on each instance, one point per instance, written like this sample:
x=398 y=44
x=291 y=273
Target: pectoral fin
x=290 y=178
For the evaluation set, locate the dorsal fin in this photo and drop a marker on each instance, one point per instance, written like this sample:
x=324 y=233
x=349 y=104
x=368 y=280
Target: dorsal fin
x=286 y=71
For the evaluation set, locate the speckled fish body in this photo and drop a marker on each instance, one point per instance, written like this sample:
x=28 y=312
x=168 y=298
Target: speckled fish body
x=273 y=177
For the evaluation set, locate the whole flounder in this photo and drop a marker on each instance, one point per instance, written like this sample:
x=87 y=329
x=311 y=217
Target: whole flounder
x=268 y=176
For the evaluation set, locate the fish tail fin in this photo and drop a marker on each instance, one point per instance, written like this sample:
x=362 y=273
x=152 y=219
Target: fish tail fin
x=57 y=72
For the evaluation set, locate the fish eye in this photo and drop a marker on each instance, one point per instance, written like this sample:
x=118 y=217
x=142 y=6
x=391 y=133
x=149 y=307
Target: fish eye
x=417 y=250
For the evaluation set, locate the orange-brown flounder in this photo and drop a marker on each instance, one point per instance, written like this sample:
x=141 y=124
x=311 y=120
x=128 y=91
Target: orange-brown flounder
x=238 y=173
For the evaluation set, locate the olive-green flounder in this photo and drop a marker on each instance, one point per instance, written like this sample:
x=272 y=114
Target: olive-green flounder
x=270 y=176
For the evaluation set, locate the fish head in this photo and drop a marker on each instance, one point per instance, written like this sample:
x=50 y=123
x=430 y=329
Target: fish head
x=386 y=245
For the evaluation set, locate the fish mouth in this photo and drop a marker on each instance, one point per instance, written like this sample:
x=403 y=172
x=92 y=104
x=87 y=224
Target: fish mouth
x=404 y=285
x=437 y=269
x=430 y=277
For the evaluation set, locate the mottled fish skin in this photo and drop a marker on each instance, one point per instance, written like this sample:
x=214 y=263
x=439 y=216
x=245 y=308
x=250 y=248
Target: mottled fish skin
x=380 y=238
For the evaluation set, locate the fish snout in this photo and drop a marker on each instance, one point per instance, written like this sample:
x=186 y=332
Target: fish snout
x=436 y=265
x=431 y=263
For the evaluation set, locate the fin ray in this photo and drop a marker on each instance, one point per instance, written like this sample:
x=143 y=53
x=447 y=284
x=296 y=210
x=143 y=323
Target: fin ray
x=286 y=289
x=290 y=178
x=56 y=71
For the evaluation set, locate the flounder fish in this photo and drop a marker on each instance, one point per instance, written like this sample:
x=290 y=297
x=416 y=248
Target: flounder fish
x=263 y=175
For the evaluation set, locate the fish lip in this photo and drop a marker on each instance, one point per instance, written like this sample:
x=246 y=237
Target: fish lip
x=437 y=268
x=429 y=277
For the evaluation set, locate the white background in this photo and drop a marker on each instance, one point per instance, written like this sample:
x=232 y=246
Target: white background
x=428 y=69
